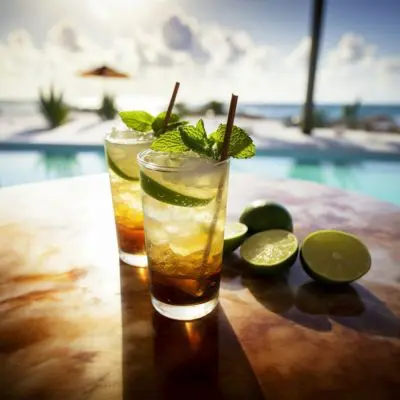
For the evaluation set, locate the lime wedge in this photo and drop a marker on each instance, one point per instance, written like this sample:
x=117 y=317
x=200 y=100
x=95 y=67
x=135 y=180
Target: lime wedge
x=176 y=194
x=270 y=251
x=263 y=215
x=334 y=257
x=122 y=160
x=234 y=234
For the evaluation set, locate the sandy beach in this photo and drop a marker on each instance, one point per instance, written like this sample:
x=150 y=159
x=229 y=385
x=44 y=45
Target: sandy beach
x=86 y=131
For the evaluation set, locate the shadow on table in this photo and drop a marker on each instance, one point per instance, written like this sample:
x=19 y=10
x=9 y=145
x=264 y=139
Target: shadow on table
x=167 y=359
x=31 y=132
x=89 y=126
x=311 y=304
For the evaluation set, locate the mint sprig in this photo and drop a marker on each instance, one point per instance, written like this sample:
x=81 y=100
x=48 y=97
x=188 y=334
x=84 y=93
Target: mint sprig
x=195 y=138
x=142 y=121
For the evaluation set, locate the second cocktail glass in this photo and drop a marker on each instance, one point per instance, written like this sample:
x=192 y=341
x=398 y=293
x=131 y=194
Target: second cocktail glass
x=122 y=147
x=184 y=205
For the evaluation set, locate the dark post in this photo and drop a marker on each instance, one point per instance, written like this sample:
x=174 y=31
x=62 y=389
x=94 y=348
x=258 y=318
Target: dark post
x=315 y=40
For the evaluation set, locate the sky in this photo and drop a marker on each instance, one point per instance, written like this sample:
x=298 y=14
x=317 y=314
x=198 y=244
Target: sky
x=256 y=48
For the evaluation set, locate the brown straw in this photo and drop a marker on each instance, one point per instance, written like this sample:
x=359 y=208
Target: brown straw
x=224 y=156
x=229 y=126
x=171 y=105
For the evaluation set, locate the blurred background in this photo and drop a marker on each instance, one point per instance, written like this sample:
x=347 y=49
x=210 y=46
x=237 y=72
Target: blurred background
x=67 y=67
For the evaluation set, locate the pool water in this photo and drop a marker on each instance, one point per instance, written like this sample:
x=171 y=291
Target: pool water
x=379 y=179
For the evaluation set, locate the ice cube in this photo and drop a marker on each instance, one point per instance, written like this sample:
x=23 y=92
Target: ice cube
x=187 y=245
x=155 y=232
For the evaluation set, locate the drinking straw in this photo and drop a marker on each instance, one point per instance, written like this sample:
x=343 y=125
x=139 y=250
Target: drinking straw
x=220 y=191
x=171 y=105
x=229 y=126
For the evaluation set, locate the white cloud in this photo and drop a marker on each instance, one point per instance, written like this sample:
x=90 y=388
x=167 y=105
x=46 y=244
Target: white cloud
x=351 y=49
x=19 y=54
x=300 y=55
x=391 y=65
x=211 y=61
x=177 y=34
x=65 y=35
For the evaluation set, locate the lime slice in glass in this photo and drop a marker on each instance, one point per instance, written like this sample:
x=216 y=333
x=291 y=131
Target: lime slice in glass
x=263 y=215
x=234 y=235
x=334 y=257
x=176 y=193
x=270 y=251
x=122 y=160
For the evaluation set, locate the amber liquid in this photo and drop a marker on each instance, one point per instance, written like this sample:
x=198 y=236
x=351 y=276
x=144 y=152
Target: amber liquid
x=131 y=240
x=184 y=241
x=128 y=215
x=183 y=291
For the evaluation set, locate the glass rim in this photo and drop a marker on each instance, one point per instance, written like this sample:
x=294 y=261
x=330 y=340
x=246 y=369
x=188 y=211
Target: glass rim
x=128 y=141
x=156 y=167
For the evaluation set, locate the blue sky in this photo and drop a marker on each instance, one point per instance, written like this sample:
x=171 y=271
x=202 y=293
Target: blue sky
x=264 y=43
x=286 y=21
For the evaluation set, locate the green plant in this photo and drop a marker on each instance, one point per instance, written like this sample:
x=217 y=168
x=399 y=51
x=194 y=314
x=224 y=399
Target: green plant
x=107 y=109
x=215 y=106
x=53 y=108
x=182 y=109
x=350 y=114
x=319 y=119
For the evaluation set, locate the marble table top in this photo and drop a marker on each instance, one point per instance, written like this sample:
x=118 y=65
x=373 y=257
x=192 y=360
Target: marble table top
x=76 y=324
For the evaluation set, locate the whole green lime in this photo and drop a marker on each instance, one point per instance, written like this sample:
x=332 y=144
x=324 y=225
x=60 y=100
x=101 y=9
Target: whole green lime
x=332 y=256
x=263 y=215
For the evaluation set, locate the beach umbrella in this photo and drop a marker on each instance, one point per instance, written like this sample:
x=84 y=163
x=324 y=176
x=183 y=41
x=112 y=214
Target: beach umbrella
x=103 y=72
x=107 y=110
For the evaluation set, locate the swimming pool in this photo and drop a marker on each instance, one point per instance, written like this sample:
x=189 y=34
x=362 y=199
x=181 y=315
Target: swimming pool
x=379 y=179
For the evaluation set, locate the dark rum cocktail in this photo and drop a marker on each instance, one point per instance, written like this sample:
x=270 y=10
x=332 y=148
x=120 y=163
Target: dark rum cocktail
x=121 y=149
x=180 y=205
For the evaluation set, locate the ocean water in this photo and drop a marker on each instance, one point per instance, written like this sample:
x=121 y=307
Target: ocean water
x=332 y=111
x=272 y=111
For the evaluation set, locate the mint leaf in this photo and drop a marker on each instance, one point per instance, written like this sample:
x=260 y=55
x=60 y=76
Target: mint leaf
x=138 y=120
x=214 y=137
x=170 y=141
x=195 y=139
x=159 y=123
x=247 y=152
x=200 y=127
x=172 y=126
x=240 y=146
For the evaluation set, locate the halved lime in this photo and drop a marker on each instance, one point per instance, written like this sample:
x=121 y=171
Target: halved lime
x=176 y=193
x=263 y=215
x=270 y=251
x=334 y=256
x=234 y=234
x=121 y=159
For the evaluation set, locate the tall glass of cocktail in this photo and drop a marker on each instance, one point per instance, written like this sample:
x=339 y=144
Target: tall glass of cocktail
x=184 y=205
x=121 y=148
